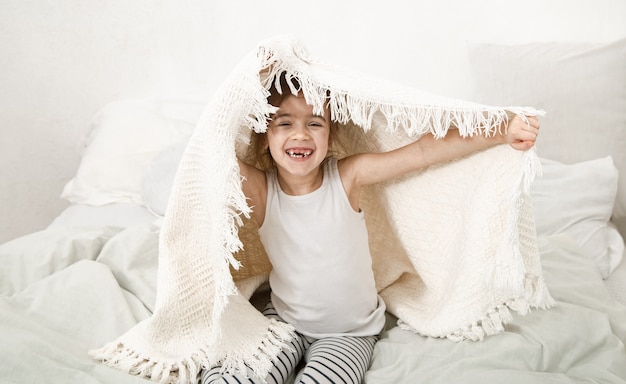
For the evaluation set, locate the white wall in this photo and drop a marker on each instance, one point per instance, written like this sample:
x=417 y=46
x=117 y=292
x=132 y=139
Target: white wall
x=60 y=61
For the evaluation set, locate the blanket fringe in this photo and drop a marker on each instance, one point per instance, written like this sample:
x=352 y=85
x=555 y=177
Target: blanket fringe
x=164 y=371
x=538 y=295
x=406 y=110
x=258 y=360
x=493 y=322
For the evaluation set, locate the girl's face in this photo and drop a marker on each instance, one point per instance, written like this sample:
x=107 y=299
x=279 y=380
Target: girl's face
x=297 y=139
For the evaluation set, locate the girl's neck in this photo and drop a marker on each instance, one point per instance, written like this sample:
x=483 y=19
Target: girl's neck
x=295 y=185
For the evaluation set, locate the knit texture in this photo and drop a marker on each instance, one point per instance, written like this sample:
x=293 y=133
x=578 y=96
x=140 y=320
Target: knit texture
x=453 y=247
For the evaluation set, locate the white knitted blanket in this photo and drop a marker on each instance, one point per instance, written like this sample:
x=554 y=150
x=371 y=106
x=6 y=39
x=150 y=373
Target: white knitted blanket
x=453 y=246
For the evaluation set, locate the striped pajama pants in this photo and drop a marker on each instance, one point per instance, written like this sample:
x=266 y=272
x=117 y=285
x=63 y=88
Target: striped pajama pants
x=342 y=359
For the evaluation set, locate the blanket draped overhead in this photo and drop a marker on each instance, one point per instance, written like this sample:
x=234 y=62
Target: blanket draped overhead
x=453 y=246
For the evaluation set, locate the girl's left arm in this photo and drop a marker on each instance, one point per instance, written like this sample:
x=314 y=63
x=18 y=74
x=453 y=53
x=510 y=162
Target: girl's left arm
x=370 y=168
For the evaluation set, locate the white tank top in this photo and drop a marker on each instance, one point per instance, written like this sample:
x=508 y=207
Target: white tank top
x=322 y=280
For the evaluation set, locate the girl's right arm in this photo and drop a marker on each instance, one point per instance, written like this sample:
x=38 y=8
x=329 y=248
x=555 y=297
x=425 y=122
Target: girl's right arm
x=254 y=185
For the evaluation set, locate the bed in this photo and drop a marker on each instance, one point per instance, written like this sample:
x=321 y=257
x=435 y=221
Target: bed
x=91 y=275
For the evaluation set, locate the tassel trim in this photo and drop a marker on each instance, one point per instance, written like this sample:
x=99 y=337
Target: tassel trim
x=165 y=370
x=413 y=112
x=493 y=322
x=260 y=361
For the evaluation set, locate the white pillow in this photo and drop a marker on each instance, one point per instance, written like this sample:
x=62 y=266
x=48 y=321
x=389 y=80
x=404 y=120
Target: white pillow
x=127 y=136
x=115 y=214
x=578 y=199
x=580 y=86
x=159 y=178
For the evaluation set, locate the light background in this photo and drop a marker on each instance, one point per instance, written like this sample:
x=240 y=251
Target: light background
x=61 y=61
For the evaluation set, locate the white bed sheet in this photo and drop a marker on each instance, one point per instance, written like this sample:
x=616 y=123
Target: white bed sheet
x=114 y=214
x=616 y=282
x=580 y=340
x=66 y=290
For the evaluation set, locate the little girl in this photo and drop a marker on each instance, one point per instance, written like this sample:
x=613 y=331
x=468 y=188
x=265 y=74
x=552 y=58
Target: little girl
x=307 y=208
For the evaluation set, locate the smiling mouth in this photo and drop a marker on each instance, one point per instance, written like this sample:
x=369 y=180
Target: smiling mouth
x=299 y=154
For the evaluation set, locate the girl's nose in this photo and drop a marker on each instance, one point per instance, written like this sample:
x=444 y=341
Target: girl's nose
x=300 y=132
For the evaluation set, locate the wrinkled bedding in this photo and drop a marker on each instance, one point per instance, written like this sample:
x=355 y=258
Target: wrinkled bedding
x=580 y=340
x=67 y=290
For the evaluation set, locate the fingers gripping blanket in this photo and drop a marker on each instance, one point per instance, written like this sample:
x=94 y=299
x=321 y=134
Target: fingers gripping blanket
x=453 y=246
